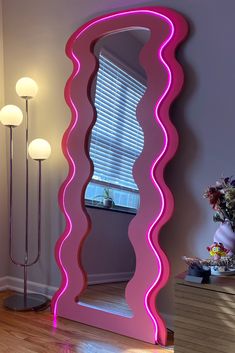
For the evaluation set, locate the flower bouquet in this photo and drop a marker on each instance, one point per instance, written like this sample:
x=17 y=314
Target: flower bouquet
x=221 y=197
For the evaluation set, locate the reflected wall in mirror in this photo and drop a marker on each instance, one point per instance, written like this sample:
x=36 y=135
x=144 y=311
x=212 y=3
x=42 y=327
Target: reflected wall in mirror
x=112 y=196
x=164 y=82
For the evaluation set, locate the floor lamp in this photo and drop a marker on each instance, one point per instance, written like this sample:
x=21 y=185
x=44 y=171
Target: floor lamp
x=11 y=116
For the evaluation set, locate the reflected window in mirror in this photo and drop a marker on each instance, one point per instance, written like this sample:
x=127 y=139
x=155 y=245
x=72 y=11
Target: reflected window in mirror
x=117 y=138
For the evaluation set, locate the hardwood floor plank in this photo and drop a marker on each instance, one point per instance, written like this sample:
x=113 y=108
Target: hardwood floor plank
x=33 y=332
x=109 y=297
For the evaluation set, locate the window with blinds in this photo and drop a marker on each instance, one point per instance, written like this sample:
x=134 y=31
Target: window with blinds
x=116 y=139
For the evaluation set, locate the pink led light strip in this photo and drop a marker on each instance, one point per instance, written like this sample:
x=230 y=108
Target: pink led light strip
x=154 y=180
x=72 y=169
x=72 y=165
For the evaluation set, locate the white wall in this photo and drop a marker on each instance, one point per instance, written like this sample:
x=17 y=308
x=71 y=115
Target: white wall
x=35 y=33
x=3 y=169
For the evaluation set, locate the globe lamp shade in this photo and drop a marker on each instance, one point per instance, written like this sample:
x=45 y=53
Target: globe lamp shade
x=11 y=115
x=26 y=87
x=39 y=149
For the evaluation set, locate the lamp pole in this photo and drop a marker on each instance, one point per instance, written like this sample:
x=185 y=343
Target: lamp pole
x=26 y=88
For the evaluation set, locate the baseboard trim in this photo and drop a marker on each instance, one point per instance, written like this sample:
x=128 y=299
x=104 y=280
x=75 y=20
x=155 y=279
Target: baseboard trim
x=17 y=284
x=109 y=277
x=3 y=283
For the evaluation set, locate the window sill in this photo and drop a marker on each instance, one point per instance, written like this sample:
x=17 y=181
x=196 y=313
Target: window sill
x=99 y=205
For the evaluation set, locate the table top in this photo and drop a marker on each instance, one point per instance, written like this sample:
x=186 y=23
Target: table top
x=218 y=283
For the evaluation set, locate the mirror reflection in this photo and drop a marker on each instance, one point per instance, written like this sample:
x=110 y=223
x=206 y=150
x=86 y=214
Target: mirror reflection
x=112 y=196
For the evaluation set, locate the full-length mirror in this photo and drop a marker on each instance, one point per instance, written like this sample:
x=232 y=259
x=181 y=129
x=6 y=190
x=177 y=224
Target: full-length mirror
x=123 y=183
x=112 y=196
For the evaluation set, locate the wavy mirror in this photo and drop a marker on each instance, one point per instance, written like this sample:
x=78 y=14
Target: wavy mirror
x=128 y=129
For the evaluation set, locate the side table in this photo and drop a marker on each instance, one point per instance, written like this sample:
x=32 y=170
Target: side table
x=205 y=315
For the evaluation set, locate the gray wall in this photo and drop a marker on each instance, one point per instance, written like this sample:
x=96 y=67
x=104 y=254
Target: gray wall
x=35 y=34
x=109 y=236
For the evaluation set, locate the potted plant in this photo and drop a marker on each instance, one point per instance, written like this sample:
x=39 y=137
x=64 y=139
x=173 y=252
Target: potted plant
x=107 y=199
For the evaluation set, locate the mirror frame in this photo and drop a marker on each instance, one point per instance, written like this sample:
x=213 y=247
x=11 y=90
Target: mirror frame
x=164 y=83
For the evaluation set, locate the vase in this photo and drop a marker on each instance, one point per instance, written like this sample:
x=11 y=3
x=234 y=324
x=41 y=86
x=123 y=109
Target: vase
x=108 y=202
x=226 y=236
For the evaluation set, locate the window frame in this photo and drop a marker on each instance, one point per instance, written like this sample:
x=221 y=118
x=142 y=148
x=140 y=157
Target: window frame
x=137 y=76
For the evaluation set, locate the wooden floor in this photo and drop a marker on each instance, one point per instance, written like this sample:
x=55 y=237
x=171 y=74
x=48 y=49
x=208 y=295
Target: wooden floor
x=33 y=332
x=107 y=297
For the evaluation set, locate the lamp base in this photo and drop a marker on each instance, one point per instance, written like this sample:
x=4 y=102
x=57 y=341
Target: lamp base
x=18 y=302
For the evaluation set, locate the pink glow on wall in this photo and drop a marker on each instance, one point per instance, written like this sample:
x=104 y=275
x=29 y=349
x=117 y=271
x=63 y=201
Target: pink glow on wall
x=161 y=275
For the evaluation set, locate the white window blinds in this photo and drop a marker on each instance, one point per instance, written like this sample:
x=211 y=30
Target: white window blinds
x=116 y=139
